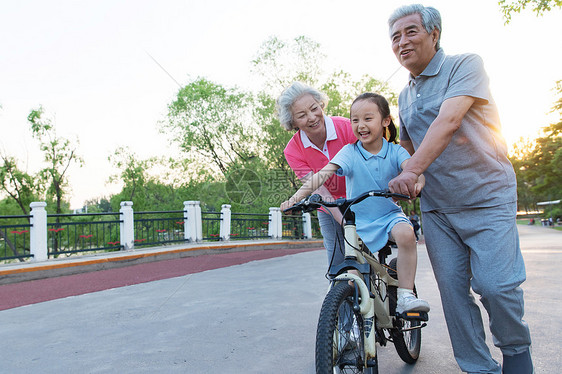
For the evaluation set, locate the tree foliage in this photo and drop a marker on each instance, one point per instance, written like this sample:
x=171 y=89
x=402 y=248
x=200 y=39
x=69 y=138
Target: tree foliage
x=18 y=185
x=538 y=6
x=214 y=122
x=58 y=152
x=538 y=164
x=278 y=64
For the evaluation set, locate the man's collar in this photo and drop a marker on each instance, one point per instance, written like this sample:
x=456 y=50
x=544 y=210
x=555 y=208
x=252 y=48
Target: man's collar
x=434 y=65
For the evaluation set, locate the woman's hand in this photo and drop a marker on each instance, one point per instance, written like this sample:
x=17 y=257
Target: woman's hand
x=287 y=204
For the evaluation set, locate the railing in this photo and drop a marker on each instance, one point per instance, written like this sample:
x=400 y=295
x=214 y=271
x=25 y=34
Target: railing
x=293 y=227
x=14 y=238
x=42 y=236
x=85 y=232
x=210 y=222
x=157 y=228
x=315 y=226
x=249 y=226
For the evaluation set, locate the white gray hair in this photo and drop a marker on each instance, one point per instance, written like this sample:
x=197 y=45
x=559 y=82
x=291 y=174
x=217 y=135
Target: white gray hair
x=431 y=18
x=288 y=97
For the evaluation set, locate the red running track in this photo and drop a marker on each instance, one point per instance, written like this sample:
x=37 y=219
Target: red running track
x=24 y=293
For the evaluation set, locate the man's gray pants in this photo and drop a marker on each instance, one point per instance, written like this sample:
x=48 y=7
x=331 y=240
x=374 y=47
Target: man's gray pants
x=479 y=248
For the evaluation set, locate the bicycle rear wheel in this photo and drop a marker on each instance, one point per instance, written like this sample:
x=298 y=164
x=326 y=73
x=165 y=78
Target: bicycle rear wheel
x=339 y=337
x=407 y=334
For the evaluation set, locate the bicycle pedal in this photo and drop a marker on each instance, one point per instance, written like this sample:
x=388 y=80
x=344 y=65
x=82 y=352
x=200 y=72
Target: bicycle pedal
x=414 y=316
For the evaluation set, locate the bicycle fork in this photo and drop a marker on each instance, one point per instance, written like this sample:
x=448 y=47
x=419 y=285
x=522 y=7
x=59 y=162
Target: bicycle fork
x=367 y=304
x=370 y=304
x=367 y=309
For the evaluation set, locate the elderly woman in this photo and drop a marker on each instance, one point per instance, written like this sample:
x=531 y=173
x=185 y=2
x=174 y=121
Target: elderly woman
x=317 y=140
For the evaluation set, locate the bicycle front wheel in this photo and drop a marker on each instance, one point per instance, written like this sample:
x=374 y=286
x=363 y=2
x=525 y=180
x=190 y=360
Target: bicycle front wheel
x=339 y=337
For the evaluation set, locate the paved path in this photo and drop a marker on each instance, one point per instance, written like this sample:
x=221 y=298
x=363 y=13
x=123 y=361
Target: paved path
x=249 y=317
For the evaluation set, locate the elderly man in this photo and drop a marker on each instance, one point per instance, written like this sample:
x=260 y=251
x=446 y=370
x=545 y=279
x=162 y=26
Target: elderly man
x=450 y=124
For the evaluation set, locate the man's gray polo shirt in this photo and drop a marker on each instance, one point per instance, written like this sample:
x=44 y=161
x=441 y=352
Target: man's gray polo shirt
x=473 y=171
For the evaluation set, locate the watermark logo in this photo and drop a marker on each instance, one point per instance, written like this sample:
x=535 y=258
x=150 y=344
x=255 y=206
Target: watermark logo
x=243 y=186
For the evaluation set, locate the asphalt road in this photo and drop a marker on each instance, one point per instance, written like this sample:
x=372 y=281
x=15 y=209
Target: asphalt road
x=248 y=317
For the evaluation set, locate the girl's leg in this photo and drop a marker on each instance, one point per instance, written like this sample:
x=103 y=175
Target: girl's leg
x=403 y=235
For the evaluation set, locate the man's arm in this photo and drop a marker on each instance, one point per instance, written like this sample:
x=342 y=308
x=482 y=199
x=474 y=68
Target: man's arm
x=407 y=145
x=436 y=139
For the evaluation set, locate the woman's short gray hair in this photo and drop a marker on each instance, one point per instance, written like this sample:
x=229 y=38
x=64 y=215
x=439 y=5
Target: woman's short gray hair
x=431 y=18
x=288 y=97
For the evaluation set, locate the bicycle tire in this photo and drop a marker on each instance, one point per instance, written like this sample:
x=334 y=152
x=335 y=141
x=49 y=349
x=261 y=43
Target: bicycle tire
x=336 y=352
x=406 y=343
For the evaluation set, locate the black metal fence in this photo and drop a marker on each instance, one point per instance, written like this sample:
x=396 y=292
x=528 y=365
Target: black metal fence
x=292 y=227
x=211 y=222
x=14 y=238
x=316 y=233
x=84 y=232
x=249 y=226
x=93 y=232
x=158 y=228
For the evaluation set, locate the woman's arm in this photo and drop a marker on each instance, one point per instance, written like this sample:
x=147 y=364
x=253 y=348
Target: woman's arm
x=311 y=185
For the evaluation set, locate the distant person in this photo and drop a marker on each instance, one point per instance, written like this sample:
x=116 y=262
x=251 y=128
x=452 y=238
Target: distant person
x=450 y=125
x=368 y=164
x=317 y=139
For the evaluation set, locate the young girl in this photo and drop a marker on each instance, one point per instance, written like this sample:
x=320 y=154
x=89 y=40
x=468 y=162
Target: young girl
x=369 y=164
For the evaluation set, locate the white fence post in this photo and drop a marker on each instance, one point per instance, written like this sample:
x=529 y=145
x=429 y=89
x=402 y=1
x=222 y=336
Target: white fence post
x=225 y=222
x=275 y=230
x=272 y=227
x=307 y=225
x=199 y=218
x=193 y=228
x=127 y=225
x=38 y=231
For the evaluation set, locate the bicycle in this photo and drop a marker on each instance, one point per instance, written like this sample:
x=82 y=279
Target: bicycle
x=360 y=311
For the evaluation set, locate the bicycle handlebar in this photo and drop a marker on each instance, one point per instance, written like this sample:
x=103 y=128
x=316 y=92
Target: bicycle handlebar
x=315 y=201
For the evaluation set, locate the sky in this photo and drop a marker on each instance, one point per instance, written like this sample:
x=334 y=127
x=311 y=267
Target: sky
x=106 y=70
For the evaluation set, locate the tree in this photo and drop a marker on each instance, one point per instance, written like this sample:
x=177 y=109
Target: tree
x=58 y=152
x=278 y=63
x=539 y=166
x=21 y=189
x=538 y=6
x=213 y=121
x=134 y=176
x=342 y=90
x=20 y=186
x=525 y=197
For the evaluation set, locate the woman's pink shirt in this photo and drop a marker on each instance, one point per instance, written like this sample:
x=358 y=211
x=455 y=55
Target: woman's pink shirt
x=304 y=160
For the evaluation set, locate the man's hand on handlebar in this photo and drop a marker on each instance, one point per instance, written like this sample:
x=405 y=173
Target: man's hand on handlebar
x=407 y=183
